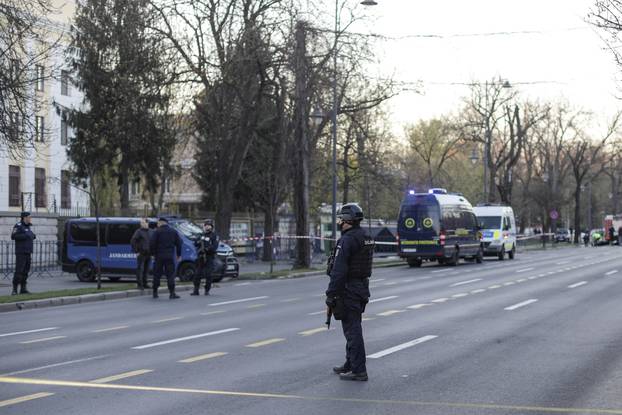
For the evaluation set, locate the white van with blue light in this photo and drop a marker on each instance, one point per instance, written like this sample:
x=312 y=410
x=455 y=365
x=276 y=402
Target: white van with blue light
x=437 y=226
x=498 y=227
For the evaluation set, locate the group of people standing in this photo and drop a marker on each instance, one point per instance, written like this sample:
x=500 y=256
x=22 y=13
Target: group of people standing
x=164 y=245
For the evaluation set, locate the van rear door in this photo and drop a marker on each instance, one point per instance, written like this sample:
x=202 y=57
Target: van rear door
x=419 y=226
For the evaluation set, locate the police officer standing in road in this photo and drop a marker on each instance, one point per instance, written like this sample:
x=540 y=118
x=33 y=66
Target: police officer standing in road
x=207 y=247
x=164 y=244
x=141 y=245
x=24 y=242
x=347 y=295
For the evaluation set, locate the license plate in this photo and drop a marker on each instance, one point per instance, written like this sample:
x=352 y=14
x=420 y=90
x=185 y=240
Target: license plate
x=410 y=250
x=230 y=267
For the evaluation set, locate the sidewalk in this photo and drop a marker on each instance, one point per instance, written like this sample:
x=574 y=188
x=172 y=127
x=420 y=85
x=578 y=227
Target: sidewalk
x=62 y=280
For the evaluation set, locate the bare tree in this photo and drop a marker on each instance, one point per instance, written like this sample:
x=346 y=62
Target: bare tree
x=29 y=42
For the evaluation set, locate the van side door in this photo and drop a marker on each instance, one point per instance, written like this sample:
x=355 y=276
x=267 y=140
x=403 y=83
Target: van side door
x=120 y=255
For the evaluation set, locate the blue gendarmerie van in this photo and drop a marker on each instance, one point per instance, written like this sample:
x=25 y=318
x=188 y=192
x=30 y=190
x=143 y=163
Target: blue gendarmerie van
x=437 y=226
x=117 y=257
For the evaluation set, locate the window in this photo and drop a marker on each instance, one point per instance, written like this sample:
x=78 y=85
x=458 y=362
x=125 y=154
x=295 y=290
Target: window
x=65 y=190
x=40 y=76
x=40 y=196
x=14 y=126
x=64 y=83
x=121 y=233
x=135 y=187
x=15 y=193
x=39 y=127
x=63 y=130
x=85 y=233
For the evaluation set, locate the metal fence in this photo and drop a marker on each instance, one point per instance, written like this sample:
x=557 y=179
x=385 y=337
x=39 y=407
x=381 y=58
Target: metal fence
x=46 y=259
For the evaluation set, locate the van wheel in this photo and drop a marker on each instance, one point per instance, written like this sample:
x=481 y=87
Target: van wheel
x=502 y=254
x=512 y=253
x=114 y=279
x=414 y=262
x=479 y=258
x=85 y=271
x=186 y=271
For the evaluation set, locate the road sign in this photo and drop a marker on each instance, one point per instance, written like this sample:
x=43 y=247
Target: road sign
x=554 y=214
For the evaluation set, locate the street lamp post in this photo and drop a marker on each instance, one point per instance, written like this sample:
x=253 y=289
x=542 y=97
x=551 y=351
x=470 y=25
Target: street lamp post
x=334 y=115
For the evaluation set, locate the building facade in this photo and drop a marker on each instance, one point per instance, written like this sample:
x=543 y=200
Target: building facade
x=39 y=179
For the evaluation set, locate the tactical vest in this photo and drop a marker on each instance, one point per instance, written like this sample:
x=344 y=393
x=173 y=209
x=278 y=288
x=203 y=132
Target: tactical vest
x=360 y=264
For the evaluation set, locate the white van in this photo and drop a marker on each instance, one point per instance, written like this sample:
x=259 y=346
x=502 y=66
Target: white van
x=498 y=229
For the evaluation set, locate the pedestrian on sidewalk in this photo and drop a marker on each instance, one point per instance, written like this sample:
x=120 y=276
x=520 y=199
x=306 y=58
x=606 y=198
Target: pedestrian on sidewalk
x=24 y=242
x=347 y=295
x=207 y=247
x=164 y=245
x=141 y=243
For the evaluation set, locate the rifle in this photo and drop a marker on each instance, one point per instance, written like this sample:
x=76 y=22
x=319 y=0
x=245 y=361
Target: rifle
x=329 y=315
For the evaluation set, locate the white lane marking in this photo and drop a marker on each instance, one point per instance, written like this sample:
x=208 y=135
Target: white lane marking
x=25 y=398
x=519 y=305
x=615 y=271
x=522 y=280
x=181 y=339
x=390 y=283
x=110 y=329
x=541 y=275
x=243 y=300
x=399 y=347
x=165 y=320
x=494 y=287
x=460 y=295
x=313 y=331
x=120 y=376
x=562 y=263
x=69 y=362
x=418 y=306
x=17 y=333
x=481 y=290
x=577 y=284
x=524 y=270
x=202 y=357
x=531 y=278
x=390 y=312
x=317 y=313
x=241 y=284
x=378 y=279
x=440 y=300
x=509 y=283
x=210 y=313
x=440 y=270
x=377 y=300
x=550 y=272
x=465 y=282
x=45 y=339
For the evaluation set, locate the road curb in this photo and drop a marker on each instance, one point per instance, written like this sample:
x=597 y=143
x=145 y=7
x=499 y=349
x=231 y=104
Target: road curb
x=85 y=298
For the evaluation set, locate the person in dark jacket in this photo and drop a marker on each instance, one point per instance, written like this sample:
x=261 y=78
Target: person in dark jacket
x=24 y=242
x=165 y=243
x=612 y=235
x=141 y=245
x=207 y=248
x=348 y=291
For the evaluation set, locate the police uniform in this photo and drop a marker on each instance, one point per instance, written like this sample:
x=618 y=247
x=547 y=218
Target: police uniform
x=164 y=244
x=24 y=242
x=207 y=248
x=348 y=294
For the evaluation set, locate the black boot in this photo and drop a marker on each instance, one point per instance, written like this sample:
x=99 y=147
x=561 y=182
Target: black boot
x=14 y=289
x=23 y=289
x=341 y=369
x=195 y=291
x=155 y=292
x=360 y=377
x=171 y=290
x=206 y=291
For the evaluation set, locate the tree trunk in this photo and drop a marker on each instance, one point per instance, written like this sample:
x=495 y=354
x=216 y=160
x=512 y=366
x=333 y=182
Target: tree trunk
x=224 y=212
x=302 y=154
x=577 y=213
x=124 y=187
x=266 y=255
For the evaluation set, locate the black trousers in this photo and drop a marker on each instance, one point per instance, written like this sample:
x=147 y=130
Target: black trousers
x=22 y=268
x=142 y=269
x=205 y=270
x=164 y=266
x=355 y=345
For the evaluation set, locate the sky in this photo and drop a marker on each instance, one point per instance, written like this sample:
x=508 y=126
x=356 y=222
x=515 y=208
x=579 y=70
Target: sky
x=566 y=60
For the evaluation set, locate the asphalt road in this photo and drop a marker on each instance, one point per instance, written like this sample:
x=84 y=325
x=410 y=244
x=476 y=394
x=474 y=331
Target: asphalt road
x=540 y=334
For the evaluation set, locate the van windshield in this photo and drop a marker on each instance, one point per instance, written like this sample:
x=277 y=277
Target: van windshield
x=419 y=217
x=188 y=229
x=489 y=222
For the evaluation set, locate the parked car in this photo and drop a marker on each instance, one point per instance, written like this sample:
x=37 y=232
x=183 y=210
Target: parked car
x=118 y=259
x=563 y=235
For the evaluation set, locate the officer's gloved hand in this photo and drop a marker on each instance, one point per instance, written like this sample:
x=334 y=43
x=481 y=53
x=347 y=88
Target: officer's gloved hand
x=331 y=301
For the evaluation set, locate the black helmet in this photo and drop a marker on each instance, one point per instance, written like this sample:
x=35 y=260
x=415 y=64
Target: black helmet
x=351 y=212
x=208 y=222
